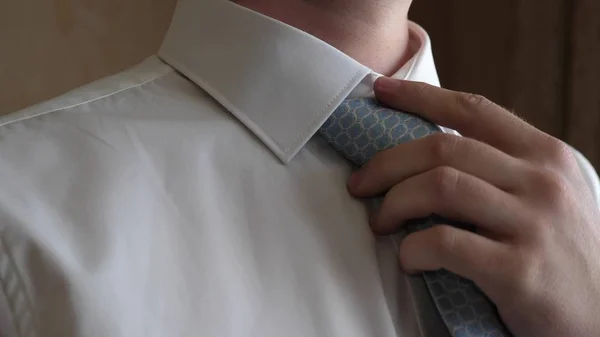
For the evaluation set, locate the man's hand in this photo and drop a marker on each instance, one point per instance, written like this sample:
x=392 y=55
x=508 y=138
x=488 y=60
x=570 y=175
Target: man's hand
x=536 y=252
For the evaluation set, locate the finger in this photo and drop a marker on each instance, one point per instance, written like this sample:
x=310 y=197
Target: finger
x=451 y=194
x=394 y=165
x=464 y=253
x=471 y=115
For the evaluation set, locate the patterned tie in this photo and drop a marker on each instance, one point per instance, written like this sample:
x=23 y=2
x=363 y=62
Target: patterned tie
x=360 y=128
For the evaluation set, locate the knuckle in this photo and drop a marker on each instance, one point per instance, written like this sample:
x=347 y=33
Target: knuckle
x=470 y=101
x=560 y=154
x=503 y=263
x=445 y=181
x=443 y=147
x=552 y=186
x=444 y=239
x=527 y=270
x=421 y=88
x=537 y=228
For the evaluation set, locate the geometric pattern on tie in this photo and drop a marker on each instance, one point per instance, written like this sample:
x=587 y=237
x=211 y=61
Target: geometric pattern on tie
x=361 y=127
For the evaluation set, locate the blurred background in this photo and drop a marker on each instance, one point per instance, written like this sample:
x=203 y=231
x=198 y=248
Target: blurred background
x=540 y=59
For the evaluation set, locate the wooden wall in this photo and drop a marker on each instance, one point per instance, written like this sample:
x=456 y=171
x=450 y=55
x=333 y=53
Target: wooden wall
x=48 y=47
x=538 y=58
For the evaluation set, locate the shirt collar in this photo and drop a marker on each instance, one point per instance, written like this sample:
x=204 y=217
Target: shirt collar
x=280 y=82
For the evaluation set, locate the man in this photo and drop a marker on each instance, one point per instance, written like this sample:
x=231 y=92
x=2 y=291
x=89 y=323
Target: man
x=190 y=195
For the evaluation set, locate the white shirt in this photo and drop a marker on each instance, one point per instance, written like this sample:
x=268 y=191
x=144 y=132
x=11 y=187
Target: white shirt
x=189 y=196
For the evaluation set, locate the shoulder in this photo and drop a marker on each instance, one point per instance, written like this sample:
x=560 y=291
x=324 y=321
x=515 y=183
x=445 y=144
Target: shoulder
x=40 y=167
x=147 y=71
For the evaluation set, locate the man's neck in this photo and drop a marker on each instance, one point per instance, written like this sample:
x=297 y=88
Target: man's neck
x=373 y=32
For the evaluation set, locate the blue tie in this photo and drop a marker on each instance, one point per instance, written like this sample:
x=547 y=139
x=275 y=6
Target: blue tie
x=358 y=129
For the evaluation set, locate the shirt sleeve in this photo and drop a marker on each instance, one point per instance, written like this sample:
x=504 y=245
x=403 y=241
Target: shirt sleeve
x=590 y=175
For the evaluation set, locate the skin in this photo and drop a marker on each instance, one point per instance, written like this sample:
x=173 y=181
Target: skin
x=373 y=32
x=535 y=253
x=537 y=246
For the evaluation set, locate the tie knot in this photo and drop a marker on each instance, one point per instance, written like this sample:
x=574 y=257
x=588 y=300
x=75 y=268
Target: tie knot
x=361 y=127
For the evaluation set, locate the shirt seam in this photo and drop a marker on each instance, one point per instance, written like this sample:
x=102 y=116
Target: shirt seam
x=22 y=118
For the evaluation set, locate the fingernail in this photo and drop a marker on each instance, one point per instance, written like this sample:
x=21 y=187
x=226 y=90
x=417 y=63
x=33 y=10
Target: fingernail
x=386 y=84
x=355 y=180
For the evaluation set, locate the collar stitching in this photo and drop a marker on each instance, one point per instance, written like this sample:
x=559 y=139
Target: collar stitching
x=221 y=100
x=327 y=107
